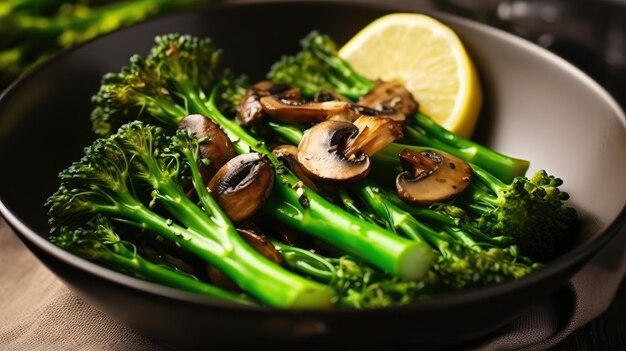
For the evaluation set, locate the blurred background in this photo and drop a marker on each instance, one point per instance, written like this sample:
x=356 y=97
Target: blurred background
x=591 y=34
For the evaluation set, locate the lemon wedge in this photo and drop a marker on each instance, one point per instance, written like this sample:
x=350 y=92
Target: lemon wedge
x=428 y=58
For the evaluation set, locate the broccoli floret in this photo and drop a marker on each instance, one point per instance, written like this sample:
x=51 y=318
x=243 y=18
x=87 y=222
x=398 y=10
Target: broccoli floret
x=531 y=211
x=135 y=93
x=318 y=67
x=149 y=89
x=356 y=284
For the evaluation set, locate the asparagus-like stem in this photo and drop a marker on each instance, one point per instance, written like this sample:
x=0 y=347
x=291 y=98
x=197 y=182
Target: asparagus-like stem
x=124 y=259
x=422 y=130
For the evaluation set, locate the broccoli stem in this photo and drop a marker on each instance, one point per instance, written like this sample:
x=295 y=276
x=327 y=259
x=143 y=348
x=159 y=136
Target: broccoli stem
x=422 y=130
x=234 y=257
x=123 y=259
x=313 y=265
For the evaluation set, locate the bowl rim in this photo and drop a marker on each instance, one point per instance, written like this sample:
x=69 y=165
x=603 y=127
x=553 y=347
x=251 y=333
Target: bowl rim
x=568 y=259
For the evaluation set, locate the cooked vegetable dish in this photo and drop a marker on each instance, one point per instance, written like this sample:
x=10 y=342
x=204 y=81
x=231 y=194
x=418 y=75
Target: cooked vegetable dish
x=314 y=188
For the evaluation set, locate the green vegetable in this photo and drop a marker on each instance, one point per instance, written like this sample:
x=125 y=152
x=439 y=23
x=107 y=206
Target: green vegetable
x=466 y=256
x=176 y=77
x=530 y=210
x=384 y=251
x=31 y=31
x=140 y=159
x=357 y=285
x=97 y=241
x=319 y=67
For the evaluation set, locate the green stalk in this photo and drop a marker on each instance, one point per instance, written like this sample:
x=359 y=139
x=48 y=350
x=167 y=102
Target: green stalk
x=307 y=262
x=445 y=221
x=126 y=260
x=244 y=265
x=422 y=130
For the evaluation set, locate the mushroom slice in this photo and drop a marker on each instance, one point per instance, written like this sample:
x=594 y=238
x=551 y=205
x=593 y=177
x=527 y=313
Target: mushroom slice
x=320 y=153
x=431 y=177
x=289 y=155
x=375 y=133
x=250 y=111
x=327 y=95
x=215 y=147
x=311 y=112
x=390 y=95
x=386 y=112
x=242 y=185
x=260 y=243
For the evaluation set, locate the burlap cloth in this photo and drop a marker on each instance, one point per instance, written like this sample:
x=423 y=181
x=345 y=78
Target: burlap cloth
x=37 y=312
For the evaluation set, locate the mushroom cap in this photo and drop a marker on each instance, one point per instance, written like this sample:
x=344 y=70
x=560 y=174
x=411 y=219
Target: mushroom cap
x=250 y=111
x=217 y=148
x=242 y=185
x=431 y=177
x=292 y=111
x=289 y=155
x=320 y=153
x=260 y=243
x=390 y=95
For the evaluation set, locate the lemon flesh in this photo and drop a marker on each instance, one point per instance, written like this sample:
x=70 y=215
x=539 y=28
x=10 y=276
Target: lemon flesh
x=428 y=58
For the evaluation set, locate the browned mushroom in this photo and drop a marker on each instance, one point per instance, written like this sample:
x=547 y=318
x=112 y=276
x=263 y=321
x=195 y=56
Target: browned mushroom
x=306 y=112
x=390 y=95
x=375 y=133
x=289 y=155
x=327 y=95
x=431 y=177
x=320 y=152
x=386 y=113
x=250 y=111
x=216 y=147
x=242 y=185
x=260 y=243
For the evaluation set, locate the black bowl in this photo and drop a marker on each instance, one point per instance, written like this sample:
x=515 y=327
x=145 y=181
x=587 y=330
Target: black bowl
x=537 y=107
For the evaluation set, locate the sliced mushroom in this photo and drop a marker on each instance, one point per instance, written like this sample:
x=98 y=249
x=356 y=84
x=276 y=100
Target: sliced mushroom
x=289 y=155
x=242 y=185
x=431 y=177
x=390 y=95
x=310 y=112
x=320 y=152
x=386 y=113
x=216 y=147
x=375 y=133
x=250 y=111
x=327 y=95
x=260 y=243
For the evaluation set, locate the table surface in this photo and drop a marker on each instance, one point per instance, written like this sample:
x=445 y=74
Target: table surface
x=607 y=332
